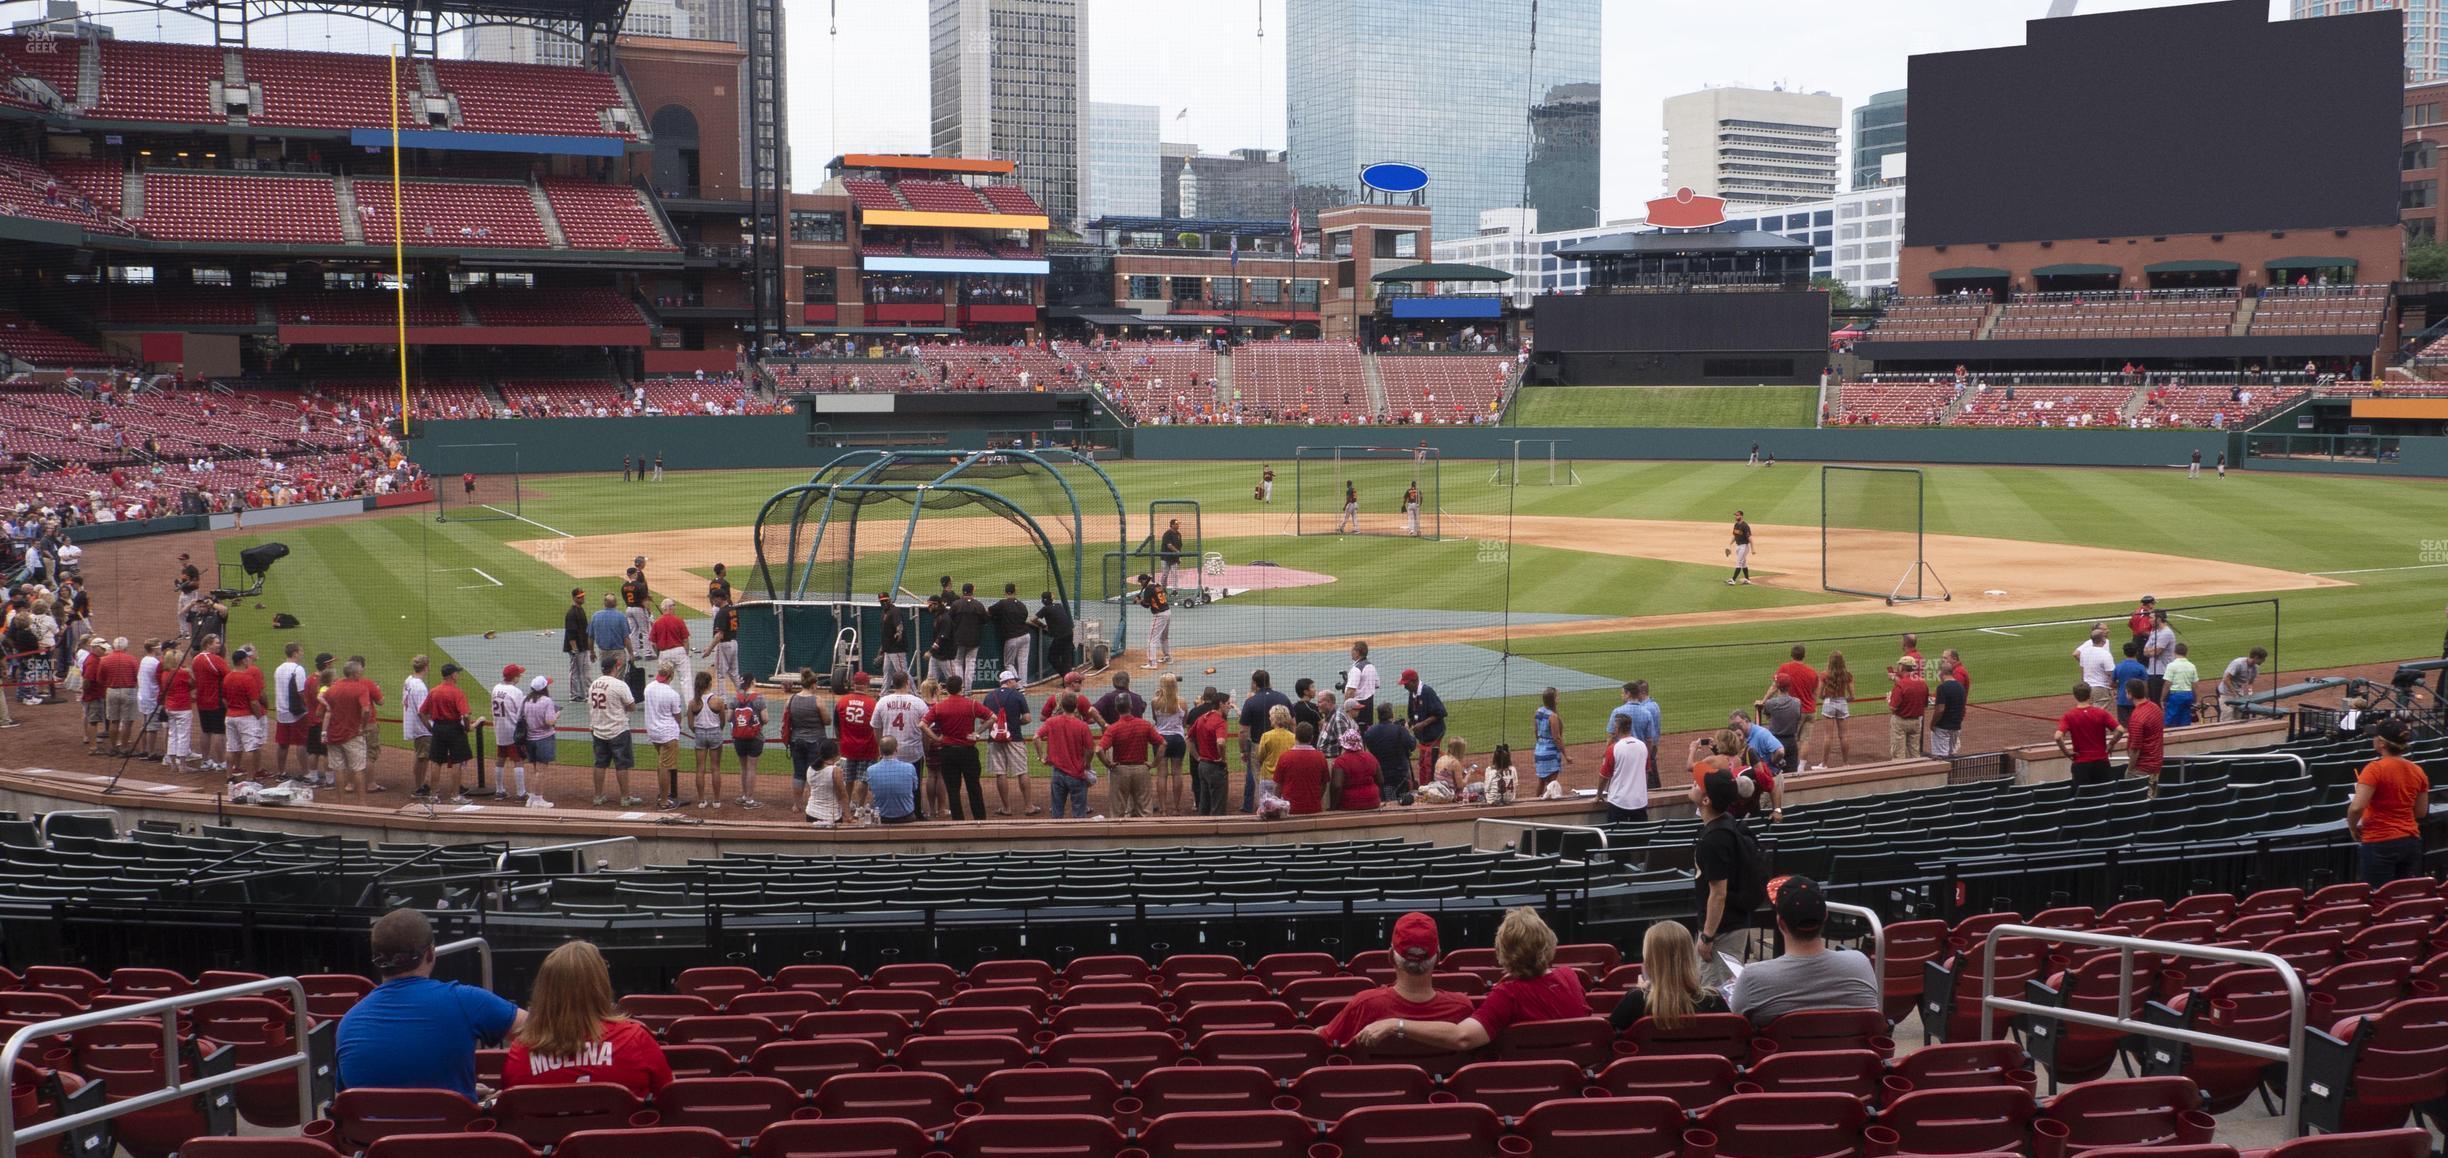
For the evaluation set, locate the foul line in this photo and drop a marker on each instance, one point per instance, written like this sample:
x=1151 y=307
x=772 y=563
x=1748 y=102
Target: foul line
x=488 y=579
x=528 y=521
x=2378 y=570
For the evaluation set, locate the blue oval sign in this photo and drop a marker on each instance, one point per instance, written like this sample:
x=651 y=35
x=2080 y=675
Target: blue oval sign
x=1394 y=177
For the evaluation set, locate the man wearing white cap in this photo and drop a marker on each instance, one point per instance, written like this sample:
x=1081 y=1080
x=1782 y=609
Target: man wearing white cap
x=1007 y=754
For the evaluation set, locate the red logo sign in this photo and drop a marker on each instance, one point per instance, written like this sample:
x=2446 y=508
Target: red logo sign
x=1687 y=210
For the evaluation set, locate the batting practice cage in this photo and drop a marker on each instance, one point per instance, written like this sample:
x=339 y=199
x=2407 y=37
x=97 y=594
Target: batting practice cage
x=1870 y=534
x=490 y=491
x=1359 y=490
x=873 y=522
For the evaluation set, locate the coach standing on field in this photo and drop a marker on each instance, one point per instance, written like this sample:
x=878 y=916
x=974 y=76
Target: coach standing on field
x=1011 y=624
x=578 y=644
x=892 y=639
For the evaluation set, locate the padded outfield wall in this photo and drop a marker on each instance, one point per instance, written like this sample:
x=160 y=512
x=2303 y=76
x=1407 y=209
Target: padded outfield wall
x=554 y=445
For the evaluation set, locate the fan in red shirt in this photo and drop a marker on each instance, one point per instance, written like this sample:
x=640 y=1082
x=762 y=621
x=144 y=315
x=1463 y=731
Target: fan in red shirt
x=2084 y=735
x=2145 y=734
x=955 y=724
x=573 y=1033
x=1352 y=781
x=1533 y=990
x=1300 y=773
x=1413 y=997
x=854 y=730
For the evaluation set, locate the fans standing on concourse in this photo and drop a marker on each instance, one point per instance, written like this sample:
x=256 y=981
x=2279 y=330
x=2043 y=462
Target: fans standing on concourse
x=2086 y=734
x=2392 y=795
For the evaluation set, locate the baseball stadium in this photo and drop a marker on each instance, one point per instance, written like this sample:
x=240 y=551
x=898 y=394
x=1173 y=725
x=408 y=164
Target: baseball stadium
x=537 y=627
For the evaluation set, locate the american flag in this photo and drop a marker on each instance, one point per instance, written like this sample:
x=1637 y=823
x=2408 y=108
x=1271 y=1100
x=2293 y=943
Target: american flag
x=1296 y=231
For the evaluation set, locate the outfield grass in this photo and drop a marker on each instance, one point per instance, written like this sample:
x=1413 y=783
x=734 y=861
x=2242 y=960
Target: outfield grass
x=1665 y=406
x=385 y=587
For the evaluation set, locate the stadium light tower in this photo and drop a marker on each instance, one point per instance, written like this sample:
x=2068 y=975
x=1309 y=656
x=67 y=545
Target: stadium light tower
x=2059 y=8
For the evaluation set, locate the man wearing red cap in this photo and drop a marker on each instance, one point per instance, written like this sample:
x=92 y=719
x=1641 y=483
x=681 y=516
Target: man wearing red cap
x=1426 y=716
x=1412 y=997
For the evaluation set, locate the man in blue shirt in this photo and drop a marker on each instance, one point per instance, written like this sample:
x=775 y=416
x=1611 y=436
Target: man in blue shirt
x=1391 y=743
x=1426 y=716
x=894 y=783
x=610 y=629
x=2129 y=668
x=414 y=1032
x=1763 y=743
x=1645 y=718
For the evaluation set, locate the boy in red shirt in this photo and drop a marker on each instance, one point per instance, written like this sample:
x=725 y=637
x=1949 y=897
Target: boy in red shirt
x=854 y=729
x=2085 y=734
x=446 y=712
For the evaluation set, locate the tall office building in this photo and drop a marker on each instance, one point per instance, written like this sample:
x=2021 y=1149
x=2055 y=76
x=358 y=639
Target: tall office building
x=1878 y=133
x=1754 y=146
x=1242 y=185
x=2426 y=41
x=529 y=44
x=724 y=20
x=1454 y=87
x=1008 y=80
x=1123 y=141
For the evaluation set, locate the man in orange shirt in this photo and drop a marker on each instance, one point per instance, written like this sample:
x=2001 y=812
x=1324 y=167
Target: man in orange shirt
x=2391 y=797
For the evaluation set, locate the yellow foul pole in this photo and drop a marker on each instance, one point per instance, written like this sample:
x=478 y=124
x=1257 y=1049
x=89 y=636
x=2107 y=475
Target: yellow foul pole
x=399 y=234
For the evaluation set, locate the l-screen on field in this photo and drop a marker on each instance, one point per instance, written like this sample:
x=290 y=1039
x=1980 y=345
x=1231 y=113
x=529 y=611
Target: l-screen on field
x=1577 y=578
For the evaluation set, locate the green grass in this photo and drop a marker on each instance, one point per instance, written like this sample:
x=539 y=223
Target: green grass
x=385 y=587
x=1665 y=406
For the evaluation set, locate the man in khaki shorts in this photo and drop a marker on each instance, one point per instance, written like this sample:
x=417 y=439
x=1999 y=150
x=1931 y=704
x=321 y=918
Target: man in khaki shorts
x=1128 y=746
x=1007 y=754
x=348 y=726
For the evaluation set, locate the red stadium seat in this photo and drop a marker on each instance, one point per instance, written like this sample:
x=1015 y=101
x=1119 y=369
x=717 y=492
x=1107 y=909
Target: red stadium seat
x=2369 y=1073
x=1853 y=1072
x=780 y=1007
x=935 y=980
x=1587 y=1042
x=1327 y=1093
x=360 y=1118
x=1034 y=1136
x=1782 y=1125
x=1210 y=1017
x=1203 y=1089
x=1511 y=1087
x=926 y=1099
x=841 y=1138
x=1726 y=1035
x=1243 y=1134
x=543 y=1115
x=1604 y=1128
x=2121 y=1112
x=1457 y=1130
x=1971 y=1120
x=1813 y=1030
x=1034 y=999
x=657 y=1011
x=1090 y=970
x=969 y=1058
x=736 y=1034
x=881 y=1028
x=1282 y=1053
x=830 y=981
x=954 y=1020
x=1085 y=1019
x=485 y=1145
x=1692 y=1082
x=1037 y=974
x=659 y=1141
x=1966 y=1065
x=1279 y=970
x=735 y=1107
x=1179 y=968
x=1050 y=1091
x=1124 y=1055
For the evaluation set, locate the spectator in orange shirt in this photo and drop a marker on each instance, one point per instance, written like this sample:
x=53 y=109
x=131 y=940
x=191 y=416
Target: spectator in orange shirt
x=2392 y=795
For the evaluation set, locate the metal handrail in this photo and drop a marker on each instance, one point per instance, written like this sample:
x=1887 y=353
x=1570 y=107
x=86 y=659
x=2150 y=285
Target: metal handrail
x=484 y=963
x=2292 y=1053
x=502 y=863
x=1604 y=844
x=1878 y=935
x=43 y=826
x=173 y=1089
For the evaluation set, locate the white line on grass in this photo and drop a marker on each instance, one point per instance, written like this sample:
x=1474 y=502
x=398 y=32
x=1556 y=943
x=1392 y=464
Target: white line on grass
x=488 y=578
x=2378 y=570
x=530 y=522
x=1995 y=631
x=2194 y=618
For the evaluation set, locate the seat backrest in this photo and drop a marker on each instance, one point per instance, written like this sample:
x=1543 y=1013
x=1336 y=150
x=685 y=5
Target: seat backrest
x=1327 y=1093
x=2359 y=987
x=1126 y=1056
x=1282 y=1053
x=1131 y=992
x=1604 y=1128
x=829 y=980
x=739 y=1034
x=1584 y=1041
x=1015 y=971
x=1825 y=1029
x=1452 y=1130
x=1304 y=994
x=718 y=983
x=660 y=1141
x=965 y=1059
x=1208 y=1017
x=1075 y=1090
x=1034 y=998
x=2412 y=1142
x=1854 y=1072
x=1004 y=1020
x=1691 y=1082
x=834 y=1137
x=780 y=1006
x=884 y=1028
x=1965 y=1120
x=1033 y=1136
x=1726 y=1035
x=487 y=1145
x=364 y=1116
x=2124 y=1111
x=1957 y=1065
x=1115 y=967
x=1511 y=1087
x=1102 y=1018
x=1278 y=970
x=657 y=1011
x=734 y=1107
x=2405 y=1045
x=1186 y=967
x=912 y=1001
x=924 y=1098
x=1195 y=992
x=932 y=978
x=242 y=1147
x=1770 y=1125
x=543 y=1115
x=1252 y=1133
x=1204 y=1089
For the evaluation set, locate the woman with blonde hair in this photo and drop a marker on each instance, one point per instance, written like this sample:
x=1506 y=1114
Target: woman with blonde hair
x=1277 y=741
x=1835 y=706
x=1669 y=990
x=574 y=1033
x=1171 y=717
x=1533 y=989
x=706 y=713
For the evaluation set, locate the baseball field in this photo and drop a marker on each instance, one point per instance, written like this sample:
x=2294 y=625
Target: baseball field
x=1515 y=588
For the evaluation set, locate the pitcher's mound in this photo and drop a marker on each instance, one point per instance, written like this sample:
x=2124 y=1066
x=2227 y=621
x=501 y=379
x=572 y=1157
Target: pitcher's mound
x=1239 y=577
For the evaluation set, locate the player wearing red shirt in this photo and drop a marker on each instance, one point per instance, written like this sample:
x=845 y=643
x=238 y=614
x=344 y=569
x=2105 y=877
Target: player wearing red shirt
x=2085 y=734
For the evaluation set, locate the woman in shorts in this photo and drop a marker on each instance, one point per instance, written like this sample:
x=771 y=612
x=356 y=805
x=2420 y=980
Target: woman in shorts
x=803 y=733
x=706 y=713
x=748 y=739
x=178 y=707
x=1171 y=716
x=1547 y=729
x=935 y=800
x=540 y=715
x=1835 y=706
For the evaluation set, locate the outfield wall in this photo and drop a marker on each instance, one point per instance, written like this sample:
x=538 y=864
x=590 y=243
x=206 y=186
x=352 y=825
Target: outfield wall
x=554 y=445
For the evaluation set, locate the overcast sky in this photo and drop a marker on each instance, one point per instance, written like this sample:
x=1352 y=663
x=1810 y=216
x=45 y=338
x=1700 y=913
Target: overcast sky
x=860 y=84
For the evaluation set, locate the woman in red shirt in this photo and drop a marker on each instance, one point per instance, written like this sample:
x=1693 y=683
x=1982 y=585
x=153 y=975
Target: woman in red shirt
x=575 y=1033
x=1300 y=773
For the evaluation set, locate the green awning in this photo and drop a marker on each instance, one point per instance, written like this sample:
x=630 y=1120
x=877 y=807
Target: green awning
x=2191 y=267
x=1443 y=271
x=2312 y=263
x=2077 y=269
x=1969 y=273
